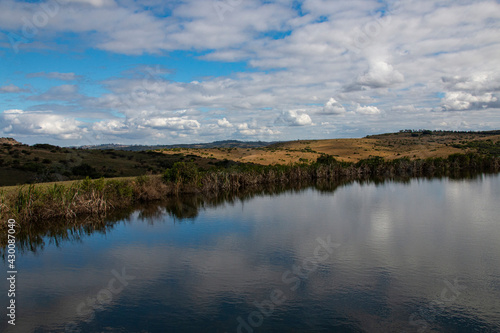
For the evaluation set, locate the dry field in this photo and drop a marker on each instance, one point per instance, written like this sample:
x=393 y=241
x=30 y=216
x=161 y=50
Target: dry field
x=389 y=146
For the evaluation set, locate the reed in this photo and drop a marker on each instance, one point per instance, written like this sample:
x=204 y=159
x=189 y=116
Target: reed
x=38 y=204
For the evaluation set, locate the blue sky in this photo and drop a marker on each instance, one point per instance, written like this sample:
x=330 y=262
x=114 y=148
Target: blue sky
x=76 y=72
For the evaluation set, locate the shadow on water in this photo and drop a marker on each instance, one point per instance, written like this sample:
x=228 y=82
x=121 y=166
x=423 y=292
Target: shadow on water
x=35 y=237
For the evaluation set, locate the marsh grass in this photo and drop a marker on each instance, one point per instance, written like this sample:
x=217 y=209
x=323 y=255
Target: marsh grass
x=40 y=203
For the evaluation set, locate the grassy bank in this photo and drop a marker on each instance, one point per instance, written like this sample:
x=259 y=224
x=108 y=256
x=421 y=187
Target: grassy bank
x=178 y=208
x=39 y=203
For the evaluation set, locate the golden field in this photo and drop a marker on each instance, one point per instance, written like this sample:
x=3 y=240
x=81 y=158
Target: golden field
x=389 y=146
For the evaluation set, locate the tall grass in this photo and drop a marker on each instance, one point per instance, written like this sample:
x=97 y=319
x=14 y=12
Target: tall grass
x=36 y=204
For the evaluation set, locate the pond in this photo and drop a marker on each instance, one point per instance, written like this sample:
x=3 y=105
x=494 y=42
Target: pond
x=416 y=256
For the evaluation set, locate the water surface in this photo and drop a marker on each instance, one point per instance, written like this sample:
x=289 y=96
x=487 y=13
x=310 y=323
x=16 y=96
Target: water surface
x=418 y=256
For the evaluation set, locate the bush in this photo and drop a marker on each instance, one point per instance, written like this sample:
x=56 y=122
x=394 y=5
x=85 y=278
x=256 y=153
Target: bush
x=32 y=167
x=85 y=170
x=182 y=173
x=46 y=146
x=326 y=159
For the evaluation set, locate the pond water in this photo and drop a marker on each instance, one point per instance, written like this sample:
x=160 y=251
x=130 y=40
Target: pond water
x=415 y=256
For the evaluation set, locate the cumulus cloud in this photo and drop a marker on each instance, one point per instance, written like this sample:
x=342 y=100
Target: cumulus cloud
x=332 y=107
x=224 y=123
x=113 y=127
x=145 y=126
x=479 y=83
x=367 y=110
x=170 y=123
x=423 y=56
x=294 y=118
x=254 y=130
x=459 y=101
x=19 y=122
x=380 y=75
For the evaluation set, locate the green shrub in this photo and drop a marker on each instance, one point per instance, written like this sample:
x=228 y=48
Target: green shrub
x=85 y=170
x=326 y=159
x=182 y=173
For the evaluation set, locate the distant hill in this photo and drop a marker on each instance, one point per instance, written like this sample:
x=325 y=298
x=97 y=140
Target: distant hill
x=9 y=141
x=412 y=144
x=21 y=164
x=215 y=144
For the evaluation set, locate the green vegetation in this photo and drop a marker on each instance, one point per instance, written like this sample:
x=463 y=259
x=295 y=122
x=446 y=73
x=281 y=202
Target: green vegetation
x=486 y=147
x=37 y=203
x=22 y=164
x=101 y=181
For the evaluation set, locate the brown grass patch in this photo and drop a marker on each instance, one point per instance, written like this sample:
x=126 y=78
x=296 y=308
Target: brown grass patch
x=388 y=146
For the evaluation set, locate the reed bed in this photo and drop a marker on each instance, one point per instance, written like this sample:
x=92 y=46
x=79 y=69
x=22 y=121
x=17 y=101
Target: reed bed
x=39 y=204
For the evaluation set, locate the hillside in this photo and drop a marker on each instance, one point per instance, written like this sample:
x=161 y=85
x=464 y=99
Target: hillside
x=215 y=144
x=9 y=141
x=411 y=144
x=21 y=164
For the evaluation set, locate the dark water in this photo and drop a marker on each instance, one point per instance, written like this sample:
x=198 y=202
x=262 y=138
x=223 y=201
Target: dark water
x=420 y=256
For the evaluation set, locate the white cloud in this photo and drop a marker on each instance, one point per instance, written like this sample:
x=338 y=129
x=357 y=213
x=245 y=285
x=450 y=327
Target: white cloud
x=254 y=130
x=367 y=110
x=224 y=123
x=113 y=127
x=458 y=101
x=333 y=107
x=146 y=126
x=171 y=123
x=242 y=127
x=294 y=118
x=19 y=122
x=380 y=75
x=419 y=51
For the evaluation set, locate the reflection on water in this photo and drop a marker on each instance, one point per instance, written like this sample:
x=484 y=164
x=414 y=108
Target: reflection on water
x=33 y=238
x=419 y=255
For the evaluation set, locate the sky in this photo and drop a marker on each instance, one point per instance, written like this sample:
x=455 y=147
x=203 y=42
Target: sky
x=83 y=72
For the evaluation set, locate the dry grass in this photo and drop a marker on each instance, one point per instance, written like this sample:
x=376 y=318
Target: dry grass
x=7 y=190
x=402 y=154
x=389 y=146
x=39 y=202
x=264 y=156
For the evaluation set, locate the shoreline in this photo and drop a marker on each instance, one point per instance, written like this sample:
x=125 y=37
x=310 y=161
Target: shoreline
x=38 y=203
x=183 y=208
